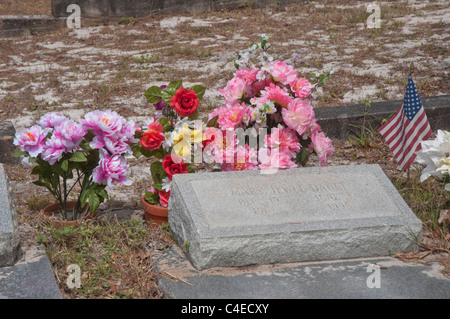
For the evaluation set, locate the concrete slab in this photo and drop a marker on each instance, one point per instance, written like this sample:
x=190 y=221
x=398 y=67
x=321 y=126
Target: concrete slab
x=369 y=278
x=9 y=234
x=15 y=25
x=304 y=214
x=30 y=278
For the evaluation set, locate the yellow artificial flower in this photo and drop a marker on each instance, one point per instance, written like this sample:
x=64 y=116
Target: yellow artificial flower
x=184 y=138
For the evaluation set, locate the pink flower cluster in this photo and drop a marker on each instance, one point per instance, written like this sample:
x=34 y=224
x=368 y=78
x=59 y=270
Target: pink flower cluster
x=112 y=131
x=274 y=98
x=55 y=135
x=111 y=168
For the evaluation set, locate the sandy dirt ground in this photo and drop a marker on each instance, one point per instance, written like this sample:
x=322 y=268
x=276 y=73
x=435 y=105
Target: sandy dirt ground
x=109 y=65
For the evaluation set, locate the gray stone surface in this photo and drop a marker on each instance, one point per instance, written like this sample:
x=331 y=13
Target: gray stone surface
x=139 y=8
x=9 y=234
x=304 y=214
x=30 y=278
x=344 y=279
x=342 y=122
x=7 y=147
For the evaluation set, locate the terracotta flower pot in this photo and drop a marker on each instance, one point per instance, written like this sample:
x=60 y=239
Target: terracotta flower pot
x=154 y=214
x=50 y=211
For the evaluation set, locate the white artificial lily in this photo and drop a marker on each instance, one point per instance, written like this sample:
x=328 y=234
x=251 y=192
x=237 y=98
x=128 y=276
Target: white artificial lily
x=435 y=154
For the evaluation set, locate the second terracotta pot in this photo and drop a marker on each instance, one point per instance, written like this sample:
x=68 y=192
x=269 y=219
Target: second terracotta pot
x=49 y=211
x=154 y=214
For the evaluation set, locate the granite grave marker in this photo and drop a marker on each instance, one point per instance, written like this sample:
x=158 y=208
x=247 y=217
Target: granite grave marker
x=304 y=214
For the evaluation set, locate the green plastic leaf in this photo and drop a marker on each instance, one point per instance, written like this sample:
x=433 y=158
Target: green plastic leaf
x=102 y=192
x=175 y=85
x=199 y=89
x=157 y=171
x=78 y=157
x=151 y=198
x=65 y=165
x=165 y=122
x=153 y=94
x=213 y=122
x=40 y=183
x=19 y=154
x=84 y=196
x=302 y=156
x=167 y=94
x=94 y=201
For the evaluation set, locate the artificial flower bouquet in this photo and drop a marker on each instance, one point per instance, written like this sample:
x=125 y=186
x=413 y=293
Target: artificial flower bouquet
x=271 y=102
x=88 y=154
x=170 y=136
x=435 y=154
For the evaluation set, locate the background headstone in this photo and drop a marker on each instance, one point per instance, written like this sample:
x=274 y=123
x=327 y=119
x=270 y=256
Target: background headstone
x=9 y=235
x=304 y=214
x=7 y=147
x=140 y=8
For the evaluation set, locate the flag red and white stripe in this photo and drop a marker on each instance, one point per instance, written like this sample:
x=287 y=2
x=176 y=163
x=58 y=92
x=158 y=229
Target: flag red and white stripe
x=407 y=128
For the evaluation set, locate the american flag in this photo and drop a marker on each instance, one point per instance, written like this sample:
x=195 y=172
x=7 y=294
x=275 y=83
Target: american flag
x=404 y=131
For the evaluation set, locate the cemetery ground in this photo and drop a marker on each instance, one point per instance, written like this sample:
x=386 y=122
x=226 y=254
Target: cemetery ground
x=108 y=64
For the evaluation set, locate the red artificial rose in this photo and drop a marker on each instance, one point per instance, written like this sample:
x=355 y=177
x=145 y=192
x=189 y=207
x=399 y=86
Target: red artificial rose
x=173 y=165
x=163 y=198
x=184 y=102
x=152 y=138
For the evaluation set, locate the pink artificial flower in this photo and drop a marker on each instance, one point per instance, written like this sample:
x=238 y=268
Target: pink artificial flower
x=111 y=169
x=323 y=147
x=219 y=146
x=249 y=75
x=114 y=144
x=284 y=138
x=245 y=159
x=258 y=86
x=213 y=114
x=51 y=120
x=301 y=87
x=282 y=72
x=298 y=116
x=54 y=149
x=103 y=123
x=277 y=159
x=111 y=131
x=276 y=94
x=231 y=117
x=128 y=130
x=31 y=140
x=70 y=134
x=235 y=89
x=163 y=196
